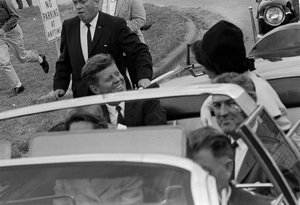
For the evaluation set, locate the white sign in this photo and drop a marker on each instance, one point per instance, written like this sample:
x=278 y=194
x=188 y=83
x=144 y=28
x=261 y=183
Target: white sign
x=51 y=19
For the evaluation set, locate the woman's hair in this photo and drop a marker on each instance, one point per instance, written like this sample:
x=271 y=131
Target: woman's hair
x=222 y=49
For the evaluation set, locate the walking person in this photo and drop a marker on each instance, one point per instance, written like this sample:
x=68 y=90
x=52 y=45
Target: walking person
x=11 y=40
x=20 y=3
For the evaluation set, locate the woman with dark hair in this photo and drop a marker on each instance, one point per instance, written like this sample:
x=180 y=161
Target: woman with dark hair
x=222 y=50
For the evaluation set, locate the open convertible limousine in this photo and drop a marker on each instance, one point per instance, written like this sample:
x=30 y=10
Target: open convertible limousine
x=151 y=161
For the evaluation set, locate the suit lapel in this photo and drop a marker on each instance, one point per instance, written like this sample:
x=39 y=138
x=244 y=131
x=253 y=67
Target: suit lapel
x=76 y=38
x=98 y=33
x=129 y=113
x=247 y=164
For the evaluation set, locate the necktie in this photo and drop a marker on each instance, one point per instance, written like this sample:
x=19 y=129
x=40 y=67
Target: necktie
x=234 y=145
x=120 y=116
x=89 y=38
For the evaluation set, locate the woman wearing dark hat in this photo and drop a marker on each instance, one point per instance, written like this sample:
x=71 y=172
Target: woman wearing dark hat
x=222 y=50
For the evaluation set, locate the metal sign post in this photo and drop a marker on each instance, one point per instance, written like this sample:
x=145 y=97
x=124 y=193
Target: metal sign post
x=51 y=20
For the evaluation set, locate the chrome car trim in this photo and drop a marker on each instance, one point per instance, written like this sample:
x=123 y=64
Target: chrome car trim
x=235 y=92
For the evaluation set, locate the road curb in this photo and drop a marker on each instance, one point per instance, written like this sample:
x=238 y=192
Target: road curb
x=177 y=56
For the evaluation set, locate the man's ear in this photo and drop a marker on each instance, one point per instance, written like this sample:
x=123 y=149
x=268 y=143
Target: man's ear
x=229 y=168
x=94 y=89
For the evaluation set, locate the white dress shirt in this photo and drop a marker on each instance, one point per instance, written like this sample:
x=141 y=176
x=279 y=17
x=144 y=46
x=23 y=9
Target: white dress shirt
x=240 y=153
x=83 y=35
x=113 y=114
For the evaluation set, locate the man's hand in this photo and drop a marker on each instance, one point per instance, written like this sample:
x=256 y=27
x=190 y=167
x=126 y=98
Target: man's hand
x=2 y=32
x=144 y=82
x=59 y=93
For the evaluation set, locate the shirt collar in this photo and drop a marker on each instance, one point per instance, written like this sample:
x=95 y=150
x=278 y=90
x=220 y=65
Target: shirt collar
x=241 y=144
x=93 y=22
x=225 y=195
x=113 y=108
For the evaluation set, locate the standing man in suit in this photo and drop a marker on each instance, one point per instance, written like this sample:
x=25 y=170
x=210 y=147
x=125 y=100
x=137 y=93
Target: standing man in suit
x=92 y=32
x=102 y=75
x=212 y=150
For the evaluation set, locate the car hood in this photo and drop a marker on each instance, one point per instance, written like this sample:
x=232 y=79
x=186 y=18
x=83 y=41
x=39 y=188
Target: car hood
x=283 y=41
x=265 y=3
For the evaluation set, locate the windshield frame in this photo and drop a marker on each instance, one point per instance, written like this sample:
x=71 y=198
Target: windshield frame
x=233 y=91
x=265 y=159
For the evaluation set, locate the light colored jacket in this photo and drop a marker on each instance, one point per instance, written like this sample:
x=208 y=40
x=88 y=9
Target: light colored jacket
x=133 y=12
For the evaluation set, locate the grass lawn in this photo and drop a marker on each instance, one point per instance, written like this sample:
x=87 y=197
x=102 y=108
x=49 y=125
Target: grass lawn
x=167 y=31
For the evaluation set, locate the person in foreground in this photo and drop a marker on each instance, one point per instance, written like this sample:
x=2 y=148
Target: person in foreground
x=212 y=150
x=92 y=32
x=102 y=190
x=222 y=50
x=85 y=118
x=102 y=75
x=11 y=40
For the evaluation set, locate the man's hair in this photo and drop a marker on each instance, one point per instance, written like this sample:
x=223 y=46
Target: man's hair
x=97 y=122
x=209 y=138
x=240 y=79
x=91 y=113
x=94 y=65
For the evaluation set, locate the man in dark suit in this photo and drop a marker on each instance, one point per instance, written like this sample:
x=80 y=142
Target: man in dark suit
x=212 y=150
x=92 y=32
x=102 y=75
x=229 y=116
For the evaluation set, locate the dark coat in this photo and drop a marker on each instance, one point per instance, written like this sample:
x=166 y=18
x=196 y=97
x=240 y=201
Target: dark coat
x=111 y=36
x=141 y=113
x=252 y=172
x=242 y=197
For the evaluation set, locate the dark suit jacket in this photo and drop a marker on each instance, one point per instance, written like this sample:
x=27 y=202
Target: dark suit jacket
x=251 y=172
x=111 y=36
x=242 y=197
x=141 y=113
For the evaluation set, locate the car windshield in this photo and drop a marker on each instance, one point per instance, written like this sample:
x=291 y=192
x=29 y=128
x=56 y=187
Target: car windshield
x=94 y=183
x=55 y=182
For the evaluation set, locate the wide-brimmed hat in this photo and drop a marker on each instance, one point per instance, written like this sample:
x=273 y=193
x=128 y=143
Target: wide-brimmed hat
x=222 y=49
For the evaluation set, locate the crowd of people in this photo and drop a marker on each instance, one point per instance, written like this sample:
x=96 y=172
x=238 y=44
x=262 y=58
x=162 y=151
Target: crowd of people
x=103 y=51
